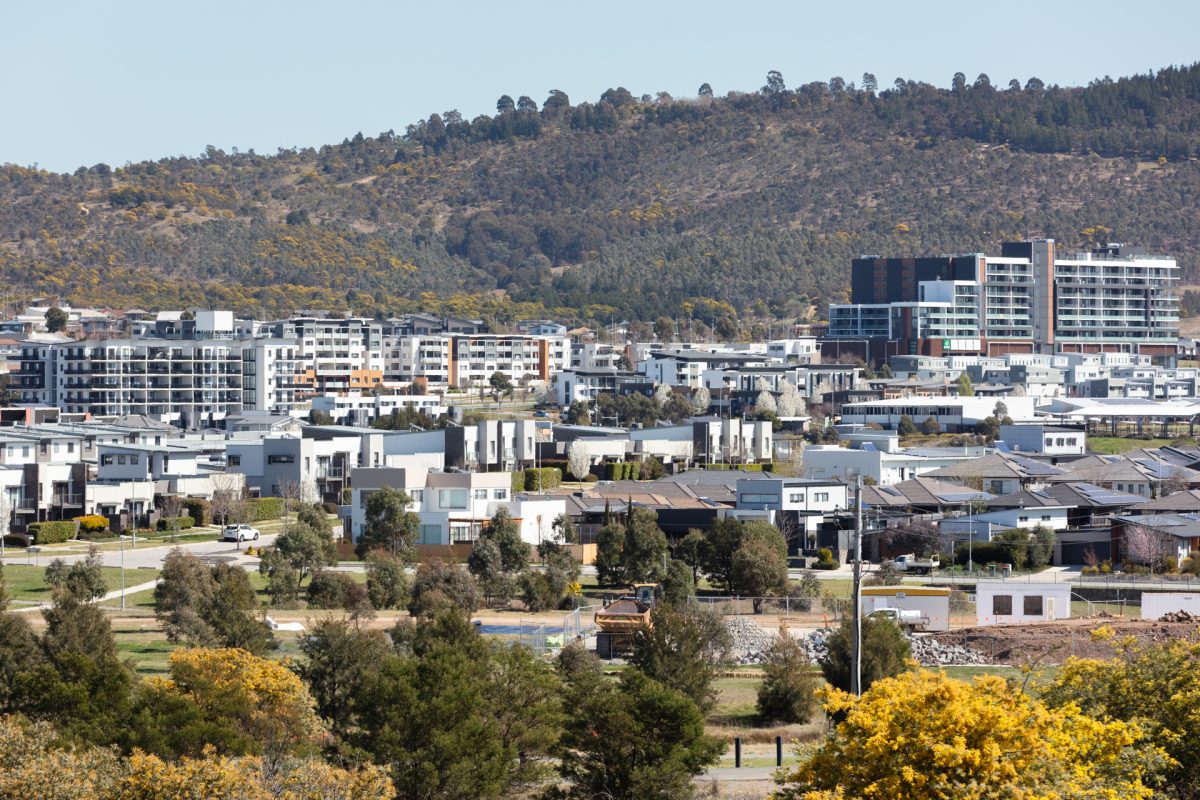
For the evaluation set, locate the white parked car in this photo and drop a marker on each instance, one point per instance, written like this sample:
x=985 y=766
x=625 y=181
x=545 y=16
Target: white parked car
x=239 y=533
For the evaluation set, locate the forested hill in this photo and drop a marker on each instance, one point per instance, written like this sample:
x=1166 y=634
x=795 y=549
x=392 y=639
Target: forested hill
x=749 y=204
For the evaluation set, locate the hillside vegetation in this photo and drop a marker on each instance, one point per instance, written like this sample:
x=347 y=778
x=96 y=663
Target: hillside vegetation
x=746 y=206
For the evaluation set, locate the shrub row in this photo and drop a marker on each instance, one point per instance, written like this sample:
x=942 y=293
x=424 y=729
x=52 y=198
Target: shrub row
x=164 y=524
x=768 y=467
x=52 y=532
x=622 y=471
x=264 y=508
x=551 y=478
x=92 y=523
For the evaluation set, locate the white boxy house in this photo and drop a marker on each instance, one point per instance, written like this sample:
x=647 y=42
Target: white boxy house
x=933 y=602
x=1008 y=602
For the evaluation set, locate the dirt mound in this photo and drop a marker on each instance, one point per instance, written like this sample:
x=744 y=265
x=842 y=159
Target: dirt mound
x=1054 y=642
x=1178 y=616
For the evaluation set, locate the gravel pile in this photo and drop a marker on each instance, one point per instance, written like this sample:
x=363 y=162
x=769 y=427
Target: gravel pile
x=749 y=640
x=814 y=643
x=1178 y=616
x=929 y=652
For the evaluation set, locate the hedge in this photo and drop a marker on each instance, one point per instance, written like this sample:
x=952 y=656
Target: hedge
x=768 y=467
x=551 y=478
x=164 y=524
x=198 y=509
x=92 y=523
x=264 y=508
x=51 y=532
x=517 y=482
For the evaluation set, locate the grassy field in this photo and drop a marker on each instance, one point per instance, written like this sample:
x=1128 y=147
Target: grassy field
x=28 y=582
x=1110 y=445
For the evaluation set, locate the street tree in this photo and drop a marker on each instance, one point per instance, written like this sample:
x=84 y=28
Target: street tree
x=579 y=461
x=390 y=524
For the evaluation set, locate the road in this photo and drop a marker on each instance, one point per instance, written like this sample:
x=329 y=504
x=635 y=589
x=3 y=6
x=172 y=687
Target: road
x=151 y=557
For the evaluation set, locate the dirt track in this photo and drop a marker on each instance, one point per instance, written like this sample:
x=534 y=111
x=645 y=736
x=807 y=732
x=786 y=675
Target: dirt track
x=1055 y=642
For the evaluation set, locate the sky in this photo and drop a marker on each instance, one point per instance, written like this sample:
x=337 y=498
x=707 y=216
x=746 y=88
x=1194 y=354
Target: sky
x=114 y=82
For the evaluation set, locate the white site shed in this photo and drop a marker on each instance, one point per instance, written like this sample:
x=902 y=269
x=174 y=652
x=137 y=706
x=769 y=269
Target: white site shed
x=1155 y=604
x=1007 y=602
x=933 y=602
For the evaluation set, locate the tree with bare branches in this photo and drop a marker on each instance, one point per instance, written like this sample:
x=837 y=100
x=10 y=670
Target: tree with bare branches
x=225 y=496
x=1147 y=546
x=172 y=508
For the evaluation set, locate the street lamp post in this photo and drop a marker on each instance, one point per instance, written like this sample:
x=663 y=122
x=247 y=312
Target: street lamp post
x=122 y=573
x=856 y=654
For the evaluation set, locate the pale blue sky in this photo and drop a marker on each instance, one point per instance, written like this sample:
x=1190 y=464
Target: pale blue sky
x=84 y=82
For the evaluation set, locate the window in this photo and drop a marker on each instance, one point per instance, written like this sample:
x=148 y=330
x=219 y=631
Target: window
x=1002 y=605
x=417 y=495
x=1045 y=517
x=796 y=497
x=133 y=459
x=278 y=459
x=1033 y=605
x=1023 y=518
x=235 y=461
x=820 y=497
x=363 y=497
x=759 y=498
x=452 y=498
x=481 y=494
x=120 y=459
x=25 y=451
x=500 y=494
x=70 y=447
x=106 y=460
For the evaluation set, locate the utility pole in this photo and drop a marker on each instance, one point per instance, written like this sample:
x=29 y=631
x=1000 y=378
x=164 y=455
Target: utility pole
x=856 y=645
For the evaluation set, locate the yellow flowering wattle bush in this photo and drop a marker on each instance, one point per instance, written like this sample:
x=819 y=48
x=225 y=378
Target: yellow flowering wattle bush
x=924 y=735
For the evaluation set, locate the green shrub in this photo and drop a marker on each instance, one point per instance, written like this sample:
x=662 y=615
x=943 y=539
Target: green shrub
x=591 y=477
x=165 y=524
x=51 y=532
x=92 y=523
x=329 y=589
x=517 y=481
x=635 y=470
x=825 y=559
x=198 y=509
x=551 y=478
x=265 y=508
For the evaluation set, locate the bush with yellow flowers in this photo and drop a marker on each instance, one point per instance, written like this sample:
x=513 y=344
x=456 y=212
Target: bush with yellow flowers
x=924 y=735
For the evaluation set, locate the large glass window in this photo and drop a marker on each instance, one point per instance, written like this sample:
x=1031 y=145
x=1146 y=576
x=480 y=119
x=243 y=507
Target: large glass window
x=452 y=498
x=1002 y=605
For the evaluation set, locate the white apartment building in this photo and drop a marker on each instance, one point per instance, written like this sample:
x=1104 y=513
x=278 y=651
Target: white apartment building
x=467 y=361
x=191 y=383
x=355 y=408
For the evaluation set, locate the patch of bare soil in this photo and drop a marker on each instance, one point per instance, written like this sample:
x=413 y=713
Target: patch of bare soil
x=1054 y=642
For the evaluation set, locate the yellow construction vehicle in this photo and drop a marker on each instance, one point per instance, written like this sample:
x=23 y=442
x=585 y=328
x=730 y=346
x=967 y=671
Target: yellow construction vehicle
x=617 y=621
